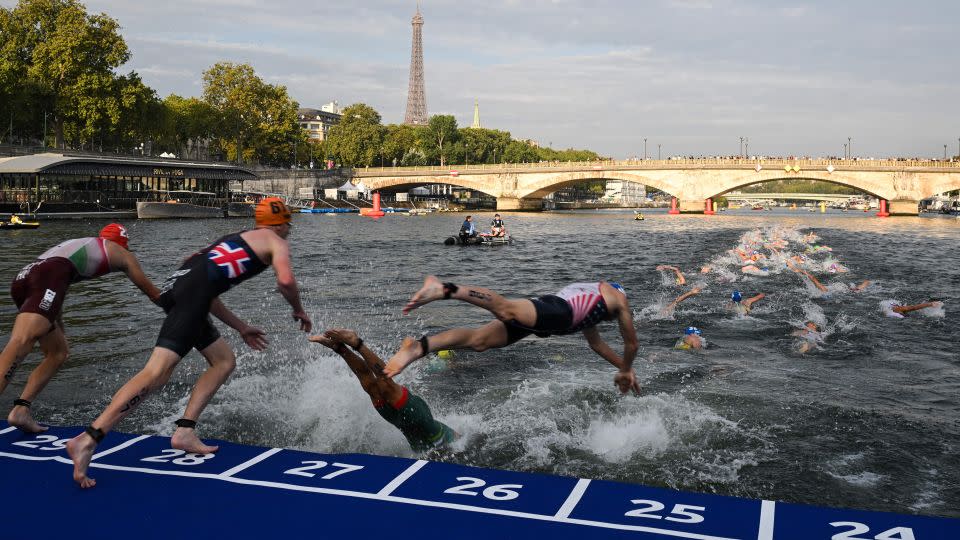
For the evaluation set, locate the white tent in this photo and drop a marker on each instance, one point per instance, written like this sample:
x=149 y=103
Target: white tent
x=350 y=186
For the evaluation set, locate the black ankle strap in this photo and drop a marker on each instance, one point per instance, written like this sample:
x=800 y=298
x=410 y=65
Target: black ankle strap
x=183 y=422
x=21 y=403
x=424 y=346
x=95 y=433
x=448 y=289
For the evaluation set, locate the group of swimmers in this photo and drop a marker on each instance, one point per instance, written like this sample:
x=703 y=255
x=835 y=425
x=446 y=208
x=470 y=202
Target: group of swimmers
x=192 y=294
x=761 y=253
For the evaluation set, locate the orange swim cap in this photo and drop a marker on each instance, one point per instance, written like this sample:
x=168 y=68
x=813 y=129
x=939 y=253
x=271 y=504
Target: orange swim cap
x=116 y=233
x=271 y=211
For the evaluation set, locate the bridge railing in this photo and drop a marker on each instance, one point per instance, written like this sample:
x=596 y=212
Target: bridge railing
x=659 y=164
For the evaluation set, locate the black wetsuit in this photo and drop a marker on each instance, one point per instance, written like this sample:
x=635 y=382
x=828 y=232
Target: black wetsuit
x=187 y=294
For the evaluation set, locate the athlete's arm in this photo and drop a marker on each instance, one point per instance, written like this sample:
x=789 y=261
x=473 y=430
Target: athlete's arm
x=915 y=307
x=287 y=283
x=131 y=267
x=252 y=336
x=600 y=347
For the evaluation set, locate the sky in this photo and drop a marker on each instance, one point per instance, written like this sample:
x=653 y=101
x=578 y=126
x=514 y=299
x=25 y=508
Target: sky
x=692 y=76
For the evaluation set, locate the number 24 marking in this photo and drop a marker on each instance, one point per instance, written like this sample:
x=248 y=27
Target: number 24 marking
x=313 y=465
x=896 y=533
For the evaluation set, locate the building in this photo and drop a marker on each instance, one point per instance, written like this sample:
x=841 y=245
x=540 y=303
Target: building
x=317 y=122
x=624 y=192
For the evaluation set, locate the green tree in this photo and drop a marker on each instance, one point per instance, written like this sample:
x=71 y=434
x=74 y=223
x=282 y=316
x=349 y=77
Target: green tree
x=403 y=143
x=257 y=121
x=65 y=59
x=357 y=141
x=191 y=124
x=520 y=152
x=443 y=129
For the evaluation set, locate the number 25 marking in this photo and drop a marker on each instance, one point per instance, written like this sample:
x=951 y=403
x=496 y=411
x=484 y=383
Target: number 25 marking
x=896 y=533
x=684 y=510
x=313 y=465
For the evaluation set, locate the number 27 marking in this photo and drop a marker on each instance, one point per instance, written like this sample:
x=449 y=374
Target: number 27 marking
x=313 y=465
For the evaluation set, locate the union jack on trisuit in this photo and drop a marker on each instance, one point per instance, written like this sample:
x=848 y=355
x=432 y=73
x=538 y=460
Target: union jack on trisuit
x=230 y=258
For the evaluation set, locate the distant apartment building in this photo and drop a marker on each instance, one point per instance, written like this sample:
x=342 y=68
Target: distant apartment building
x=621 y=191
x=317 y=122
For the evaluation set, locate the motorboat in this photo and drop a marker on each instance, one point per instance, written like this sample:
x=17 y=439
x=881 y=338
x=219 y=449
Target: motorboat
x=18 y=224
x=479 y=240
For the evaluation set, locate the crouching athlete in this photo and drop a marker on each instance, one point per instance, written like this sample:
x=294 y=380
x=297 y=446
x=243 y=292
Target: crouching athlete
x=406 y=411
x=39 y=291
x=578 y=307
x=189 y=296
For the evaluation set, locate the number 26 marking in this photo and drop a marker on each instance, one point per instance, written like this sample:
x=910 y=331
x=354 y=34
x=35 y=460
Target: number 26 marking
x=684 y=510
x=896 y=533
x=313 y=465
x=501 y=492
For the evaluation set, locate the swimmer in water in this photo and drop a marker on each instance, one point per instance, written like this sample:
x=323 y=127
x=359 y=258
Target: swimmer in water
x=810 y=335
x=408 y=412
x=680 y=279
x=859 y=287
x=742 y=305
x=892 y=309
x=815 y=281
x=578 y=307
x=692 y=339
x=672 y=305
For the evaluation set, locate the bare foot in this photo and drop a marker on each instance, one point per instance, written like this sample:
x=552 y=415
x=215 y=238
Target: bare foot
x=186 y=439
x=80 y=449
x=21 y=418
x=409 y=351
x=432 y=290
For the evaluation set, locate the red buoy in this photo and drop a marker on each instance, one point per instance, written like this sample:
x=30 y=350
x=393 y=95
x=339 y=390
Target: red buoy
x=375 y=211
x=883 y=209
x=673 y=206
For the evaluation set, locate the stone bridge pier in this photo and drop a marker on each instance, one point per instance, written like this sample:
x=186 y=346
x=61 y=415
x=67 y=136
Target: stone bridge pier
x=507 y=204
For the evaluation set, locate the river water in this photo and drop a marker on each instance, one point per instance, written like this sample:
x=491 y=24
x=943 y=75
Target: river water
x=868 y=419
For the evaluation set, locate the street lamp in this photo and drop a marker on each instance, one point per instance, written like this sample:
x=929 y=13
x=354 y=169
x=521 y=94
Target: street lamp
x=741 y=146
x=850 y=147
x=944 y=152
x=658 y=151
x=645 y=148
x=845 y=156
x=746 y=147
x=45 y=114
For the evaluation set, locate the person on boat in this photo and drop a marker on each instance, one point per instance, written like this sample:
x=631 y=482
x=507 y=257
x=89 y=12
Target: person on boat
x=467 y=230
x=39 y=290
x=578 y=307
x=692 y=340
x=496 y=226
x=742 y=306
x=15 y=219
x=189 y=296
x=896 y=310
x=408 y=412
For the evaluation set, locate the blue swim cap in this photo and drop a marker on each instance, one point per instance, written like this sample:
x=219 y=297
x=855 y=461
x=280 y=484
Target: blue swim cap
x=692 y=330
x=617 y=286
x=736 y=296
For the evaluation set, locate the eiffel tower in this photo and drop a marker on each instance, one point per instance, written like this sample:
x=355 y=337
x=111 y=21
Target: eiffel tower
x=416 y=95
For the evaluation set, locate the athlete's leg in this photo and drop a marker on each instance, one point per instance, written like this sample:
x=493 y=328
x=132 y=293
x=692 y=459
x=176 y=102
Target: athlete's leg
x=27 y=329
x=222 y=362
x=54 y=347
x=489 y=336
x=153 y=375
x=521 y=310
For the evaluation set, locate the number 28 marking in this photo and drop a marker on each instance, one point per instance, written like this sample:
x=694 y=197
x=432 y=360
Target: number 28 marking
x=684 y=510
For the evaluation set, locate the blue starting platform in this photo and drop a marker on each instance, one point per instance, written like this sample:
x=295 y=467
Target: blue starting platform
x=145 y=489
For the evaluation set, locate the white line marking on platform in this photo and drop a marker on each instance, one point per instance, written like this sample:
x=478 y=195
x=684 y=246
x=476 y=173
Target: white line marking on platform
x=250 y=462
x=28 y=458
x=210 y=476
x=119 y=447
x=573 y=498
x=395 y=483
x=767 y=511
x=8 y=430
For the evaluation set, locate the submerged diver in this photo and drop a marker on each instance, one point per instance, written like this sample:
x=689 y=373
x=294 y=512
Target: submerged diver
x=406 y=411
x=575 y=308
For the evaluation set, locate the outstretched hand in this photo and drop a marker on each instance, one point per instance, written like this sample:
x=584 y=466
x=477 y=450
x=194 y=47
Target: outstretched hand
x=627 y=381
x=305 y=323
x=255 y=338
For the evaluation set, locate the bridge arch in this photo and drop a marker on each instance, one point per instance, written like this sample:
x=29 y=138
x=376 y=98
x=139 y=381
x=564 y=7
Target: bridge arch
x=801 y=176
x=374 y=184
x=550 y=183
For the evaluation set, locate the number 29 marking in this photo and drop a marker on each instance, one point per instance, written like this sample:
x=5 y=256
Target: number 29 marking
x=686 y=511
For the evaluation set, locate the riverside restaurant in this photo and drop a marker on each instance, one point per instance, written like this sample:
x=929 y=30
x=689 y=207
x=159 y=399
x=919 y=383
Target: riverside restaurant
x=63 y=184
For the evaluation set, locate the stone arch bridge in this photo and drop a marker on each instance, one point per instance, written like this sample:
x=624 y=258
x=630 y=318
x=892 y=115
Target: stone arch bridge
x=903 y=183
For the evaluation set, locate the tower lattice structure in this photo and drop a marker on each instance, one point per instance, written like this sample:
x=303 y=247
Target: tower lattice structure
x=416 y=95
